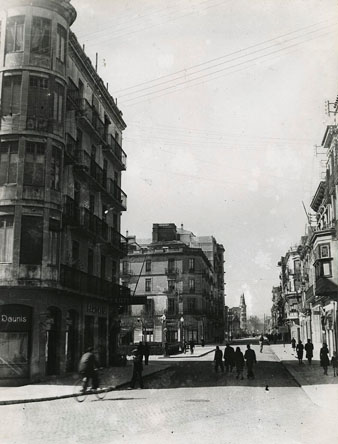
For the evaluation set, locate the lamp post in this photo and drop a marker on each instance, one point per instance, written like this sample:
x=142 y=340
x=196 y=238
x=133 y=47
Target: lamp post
x=164 y=333
x=182 y=331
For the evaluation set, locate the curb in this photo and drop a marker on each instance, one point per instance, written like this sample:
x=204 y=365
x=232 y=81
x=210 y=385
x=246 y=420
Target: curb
x=72 y=395
x=189 y=356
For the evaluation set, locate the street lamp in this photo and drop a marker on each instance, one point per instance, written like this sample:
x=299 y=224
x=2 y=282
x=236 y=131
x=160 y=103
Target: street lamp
x=164 y=332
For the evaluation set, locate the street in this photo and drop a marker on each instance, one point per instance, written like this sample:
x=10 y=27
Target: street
x=187 y=403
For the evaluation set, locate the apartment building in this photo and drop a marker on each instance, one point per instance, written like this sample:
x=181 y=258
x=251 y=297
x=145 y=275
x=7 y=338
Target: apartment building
x=60 y=196
x=178 y=280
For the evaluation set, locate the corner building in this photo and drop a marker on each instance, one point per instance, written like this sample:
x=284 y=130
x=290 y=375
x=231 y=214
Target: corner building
x=60 y=196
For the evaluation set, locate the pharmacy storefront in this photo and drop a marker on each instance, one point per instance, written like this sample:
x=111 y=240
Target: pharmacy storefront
x=15 y=341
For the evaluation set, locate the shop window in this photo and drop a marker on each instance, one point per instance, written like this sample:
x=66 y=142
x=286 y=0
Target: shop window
x=6 y=239
x=15 y=33
x=148 y=285
x=11 y=95
x=148 y=265
x=34 y=169
x=31 y=240
x=8 y=162
x=61 y=43
x=55 y=170
x=40 y=36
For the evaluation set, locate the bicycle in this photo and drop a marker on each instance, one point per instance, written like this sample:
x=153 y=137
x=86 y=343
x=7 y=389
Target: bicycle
x=81 y=394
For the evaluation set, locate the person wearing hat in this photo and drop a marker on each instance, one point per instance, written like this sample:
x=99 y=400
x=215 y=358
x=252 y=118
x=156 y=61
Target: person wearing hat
x=137 y=367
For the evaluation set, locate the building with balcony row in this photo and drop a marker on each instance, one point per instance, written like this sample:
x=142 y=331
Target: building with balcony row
x=182 y=278
x=306 y=300
x=60 y=196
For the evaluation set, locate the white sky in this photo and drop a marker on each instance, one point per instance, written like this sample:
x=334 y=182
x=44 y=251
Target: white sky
x=230 y=153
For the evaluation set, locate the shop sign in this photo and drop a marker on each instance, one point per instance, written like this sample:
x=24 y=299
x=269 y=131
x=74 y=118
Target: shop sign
x=96 y=309
x=15 y=318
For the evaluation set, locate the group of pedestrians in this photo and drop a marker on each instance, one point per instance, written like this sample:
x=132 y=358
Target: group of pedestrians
x=323 y=355
x=235 y=359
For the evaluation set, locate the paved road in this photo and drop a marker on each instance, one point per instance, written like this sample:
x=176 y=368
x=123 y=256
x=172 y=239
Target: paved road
x=187 y=404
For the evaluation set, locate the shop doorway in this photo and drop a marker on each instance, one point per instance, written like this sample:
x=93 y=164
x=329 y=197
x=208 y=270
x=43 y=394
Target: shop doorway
x=71 y=343
x=102 y=342
x=88 y=340
x=53 y=336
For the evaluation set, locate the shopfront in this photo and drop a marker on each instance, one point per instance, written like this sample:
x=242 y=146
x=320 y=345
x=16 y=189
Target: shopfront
x=15 y=341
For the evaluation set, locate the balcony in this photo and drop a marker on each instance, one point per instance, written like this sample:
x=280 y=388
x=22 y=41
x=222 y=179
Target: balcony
x=172 y=271
x=71 y=150
x=84 y=283
x=85 y=163
x=73 y=98
x=91 y=117
x=113 y=147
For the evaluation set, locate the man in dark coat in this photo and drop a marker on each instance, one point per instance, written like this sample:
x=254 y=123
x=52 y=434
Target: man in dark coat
x=324 y=358
x=309 y=351
x=229 y=358
x=300 y=351
x=146 y=350
x=138 y=367
x=218 y=358
x=250 y=357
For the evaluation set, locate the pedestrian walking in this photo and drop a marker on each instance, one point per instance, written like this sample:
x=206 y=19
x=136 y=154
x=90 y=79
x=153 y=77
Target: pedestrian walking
x=229 y=359
x=250 y=358
x=192 y=346
x=334 y=363
x=218 y=358
x=239 y=362
x=309 y=351
x=324 y=358
x=261 y=343
x=300 y=351
x=88 y=369
x=293 y=344
x=146 y=350
x=184 y=347
x=137 y=367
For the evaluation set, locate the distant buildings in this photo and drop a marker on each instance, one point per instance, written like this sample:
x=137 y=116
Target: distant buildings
x=305 y=303
x=236 y=320
x=182 y=278
x=61 y=200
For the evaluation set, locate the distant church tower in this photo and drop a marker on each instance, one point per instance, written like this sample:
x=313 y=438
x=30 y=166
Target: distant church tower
x=242 y=306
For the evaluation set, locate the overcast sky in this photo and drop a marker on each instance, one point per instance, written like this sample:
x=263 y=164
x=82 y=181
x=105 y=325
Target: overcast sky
x=224 y=102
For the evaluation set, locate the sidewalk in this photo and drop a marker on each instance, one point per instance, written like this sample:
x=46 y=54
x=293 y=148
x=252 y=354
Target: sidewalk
x=321 y=389
x=111 y=378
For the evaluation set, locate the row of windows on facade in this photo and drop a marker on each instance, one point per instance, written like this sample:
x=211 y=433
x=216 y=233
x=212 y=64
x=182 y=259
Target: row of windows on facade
x=171 y=265
x=34 y=164
x=45 y=99
x=171 y=285
x=40 y=38
x=31 y=244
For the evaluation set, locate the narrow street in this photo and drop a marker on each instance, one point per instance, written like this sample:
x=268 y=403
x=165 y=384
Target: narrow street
x=186 y=403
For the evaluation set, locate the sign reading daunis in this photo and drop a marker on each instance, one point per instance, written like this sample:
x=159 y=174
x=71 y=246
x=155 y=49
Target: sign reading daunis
x=15 y=318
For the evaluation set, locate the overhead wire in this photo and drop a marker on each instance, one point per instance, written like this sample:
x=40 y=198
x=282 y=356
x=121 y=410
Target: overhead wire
x=216 y=59
x=131 y=101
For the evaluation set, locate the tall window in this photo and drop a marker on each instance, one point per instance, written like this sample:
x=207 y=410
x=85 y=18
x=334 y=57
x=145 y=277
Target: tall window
x=31 y=240
x=191 y=265
x=39 y=100
x=148 y=265
x=40 y=36
x=11 y=95
x=90 y=261
x=75 y=253
x=191 y=285
x=55 y=169
x=148 y=285
x=54 y=235
x=191 y=304
x=15 y=33
x=34 y=171
x=103 y=266
x=61 y=43
x=8 y=162
x=6 y=239
x=58 y=103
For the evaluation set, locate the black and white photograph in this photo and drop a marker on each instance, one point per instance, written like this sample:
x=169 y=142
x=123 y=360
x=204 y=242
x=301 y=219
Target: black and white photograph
x=168 y=221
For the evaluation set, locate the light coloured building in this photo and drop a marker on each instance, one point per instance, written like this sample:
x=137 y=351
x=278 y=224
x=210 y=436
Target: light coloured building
x=179 y=282
x=60 y=196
